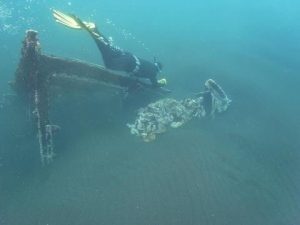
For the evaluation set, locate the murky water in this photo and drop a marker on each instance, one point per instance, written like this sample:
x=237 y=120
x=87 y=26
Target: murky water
x=241 y=167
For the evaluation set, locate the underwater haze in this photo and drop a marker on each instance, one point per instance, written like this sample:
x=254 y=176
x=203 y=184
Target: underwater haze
x=238 y=168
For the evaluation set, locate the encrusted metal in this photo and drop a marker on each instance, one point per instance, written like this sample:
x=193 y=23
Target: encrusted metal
x=157 y=117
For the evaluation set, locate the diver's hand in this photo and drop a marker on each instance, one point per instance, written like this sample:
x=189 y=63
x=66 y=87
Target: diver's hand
x=162 y=82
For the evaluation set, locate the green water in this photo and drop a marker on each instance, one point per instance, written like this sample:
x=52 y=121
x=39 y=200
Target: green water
x=240 y=168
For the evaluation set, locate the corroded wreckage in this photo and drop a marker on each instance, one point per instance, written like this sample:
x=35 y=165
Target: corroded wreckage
x=157 y=117
x=37 y=73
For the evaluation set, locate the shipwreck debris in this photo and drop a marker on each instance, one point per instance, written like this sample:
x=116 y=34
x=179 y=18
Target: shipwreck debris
x=157 y=117
x=38 y=73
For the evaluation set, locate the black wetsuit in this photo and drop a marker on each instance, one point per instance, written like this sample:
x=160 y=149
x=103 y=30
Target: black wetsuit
x=117 y=59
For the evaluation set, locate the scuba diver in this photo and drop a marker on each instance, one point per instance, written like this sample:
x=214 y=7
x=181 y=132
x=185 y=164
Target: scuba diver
x=114 y=57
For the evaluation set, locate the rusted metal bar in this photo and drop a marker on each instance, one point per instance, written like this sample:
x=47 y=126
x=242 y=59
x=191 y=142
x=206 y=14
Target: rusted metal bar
x=31 y=84
x=77 y=68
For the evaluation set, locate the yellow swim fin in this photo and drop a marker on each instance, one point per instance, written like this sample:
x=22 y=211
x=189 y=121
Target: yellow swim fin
x=65 y=19
x=71 y=21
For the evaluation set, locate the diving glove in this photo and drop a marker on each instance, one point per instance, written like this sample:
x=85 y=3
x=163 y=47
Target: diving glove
x=162 y=82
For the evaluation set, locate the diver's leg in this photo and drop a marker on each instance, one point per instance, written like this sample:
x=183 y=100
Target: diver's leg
x=98 y=36
x=114 y=57
x=102 y=42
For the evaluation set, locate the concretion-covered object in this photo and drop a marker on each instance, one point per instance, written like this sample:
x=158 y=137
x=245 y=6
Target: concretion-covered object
x=158 y=116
